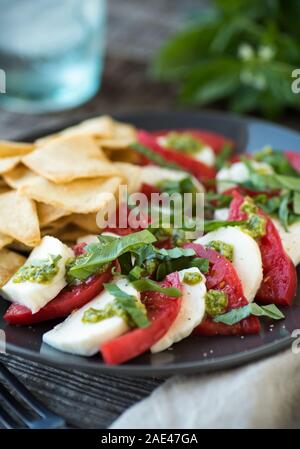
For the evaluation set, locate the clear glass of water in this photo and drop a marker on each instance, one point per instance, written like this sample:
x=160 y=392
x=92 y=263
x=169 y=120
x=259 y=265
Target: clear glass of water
x=51 y=52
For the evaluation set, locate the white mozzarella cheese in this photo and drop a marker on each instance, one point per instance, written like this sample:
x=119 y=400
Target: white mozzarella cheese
x=290 y=240
x=246 y=257
x=228 y=177
x=77 y=337
x=221 y=214
x=153 y=175
x=36 y=295
x=191 y=313
x=206 y=155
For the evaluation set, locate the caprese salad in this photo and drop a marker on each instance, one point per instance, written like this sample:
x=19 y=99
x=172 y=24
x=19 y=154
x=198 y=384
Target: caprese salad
x=127 y=291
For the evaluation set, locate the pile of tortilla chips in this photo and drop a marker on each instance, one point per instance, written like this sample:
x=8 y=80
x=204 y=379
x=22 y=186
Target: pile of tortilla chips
x=57 y=185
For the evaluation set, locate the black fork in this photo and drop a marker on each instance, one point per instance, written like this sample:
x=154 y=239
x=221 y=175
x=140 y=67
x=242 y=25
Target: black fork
x=14 y=414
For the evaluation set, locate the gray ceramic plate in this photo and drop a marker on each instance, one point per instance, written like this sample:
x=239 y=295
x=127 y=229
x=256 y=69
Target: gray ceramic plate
x=195 y=354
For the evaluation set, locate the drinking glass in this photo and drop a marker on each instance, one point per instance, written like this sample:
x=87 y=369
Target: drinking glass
x=51 y=52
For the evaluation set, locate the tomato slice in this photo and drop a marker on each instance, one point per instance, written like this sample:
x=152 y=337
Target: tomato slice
x=294 y=159
x=279 y=283
x=215 y=141
x=162 y=311
x=68 y=300
x=222 y=276
x=147 y=190
x=200 y=170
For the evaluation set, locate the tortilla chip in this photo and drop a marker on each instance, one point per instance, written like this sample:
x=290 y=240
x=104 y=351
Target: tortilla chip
x=132 y=175
x=95 y=127
x=8 y=163
x=19 y=176
x=86 y=222
x=82 y=196
x=4 y=240
x=19 y=218
x=67 y=158
x=10 y=262
x=48 y=214
x=9 y=149
x=123 y=136
x=54 y=227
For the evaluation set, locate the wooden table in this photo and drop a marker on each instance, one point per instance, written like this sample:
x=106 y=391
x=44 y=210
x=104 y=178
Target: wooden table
x=89 y=401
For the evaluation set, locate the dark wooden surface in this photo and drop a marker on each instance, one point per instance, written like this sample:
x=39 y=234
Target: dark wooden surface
x=136 y=30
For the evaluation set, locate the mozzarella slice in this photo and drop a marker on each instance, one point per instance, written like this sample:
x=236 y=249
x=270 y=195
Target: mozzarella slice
x=290 y=240
x=89 y=238
x=191 y=313
x=36 y=295
x=229 y=177
x=246 y=257
x=206 y=155
x=153 y=175
x=221 y=214
x=76 y=337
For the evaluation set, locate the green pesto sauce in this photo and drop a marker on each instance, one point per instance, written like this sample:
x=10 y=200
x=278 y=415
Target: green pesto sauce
x=192 y=278
x=256 y=224
x=40 y=271
x=225 y=249
x=216 y=302
x=184 y=142
x=112 y=309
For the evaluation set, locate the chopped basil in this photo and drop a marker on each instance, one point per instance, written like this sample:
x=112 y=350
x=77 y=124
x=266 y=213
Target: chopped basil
x=213 y=225
x=147 y=285
x=225 y=249
x=99 y=255
x=236 y=315
x=154 y=157
x=182 y=263
x=296 y=203
x=124 y=305
x=40 y=271
x=192 y=277
x=223 y=156
x=277 y=160
x=216 y=302
x=184 y=142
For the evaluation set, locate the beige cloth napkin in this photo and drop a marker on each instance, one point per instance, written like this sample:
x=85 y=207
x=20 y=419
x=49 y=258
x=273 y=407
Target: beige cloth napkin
x=265 y=394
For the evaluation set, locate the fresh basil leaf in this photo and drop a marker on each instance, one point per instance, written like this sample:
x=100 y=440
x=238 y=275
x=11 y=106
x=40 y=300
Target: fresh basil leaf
x=283 y=211
x=223 y=156
x=296 y=203
x=289 y=182
x=129 y=304
x=88 y=263
x=233 y=316
x=236 y=315
x=154 y=157
x=147 y=285
x=125 y=261
x=170 y=266
x=277 y=160
x=212 y=225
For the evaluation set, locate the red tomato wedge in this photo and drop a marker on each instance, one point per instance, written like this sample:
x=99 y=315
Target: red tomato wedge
x=200 y=170
x=215 y=141
x=222 y=276
x=162 y=311
x=68 y=300
x=280 y=277
x=294 y=159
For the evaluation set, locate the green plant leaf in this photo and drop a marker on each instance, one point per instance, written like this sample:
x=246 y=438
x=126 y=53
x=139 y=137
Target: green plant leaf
x=147 y=285
x=296 y=203
x=236 y=315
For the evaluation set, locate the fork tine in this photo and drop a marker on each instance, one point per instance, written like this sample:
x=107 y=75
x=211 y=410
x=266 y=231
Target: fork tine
x=17 y=408
x=6 y=421
x=47 y=418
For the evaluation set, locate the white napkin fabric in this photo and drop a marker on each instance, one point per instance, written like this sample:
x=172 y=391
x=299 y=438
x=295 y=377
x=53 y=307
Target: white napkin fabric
x=265 y=394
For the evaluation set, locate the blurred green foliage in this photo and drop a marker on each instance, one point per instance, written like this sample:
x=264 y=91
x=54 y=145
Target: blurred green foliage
x=241 y=51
